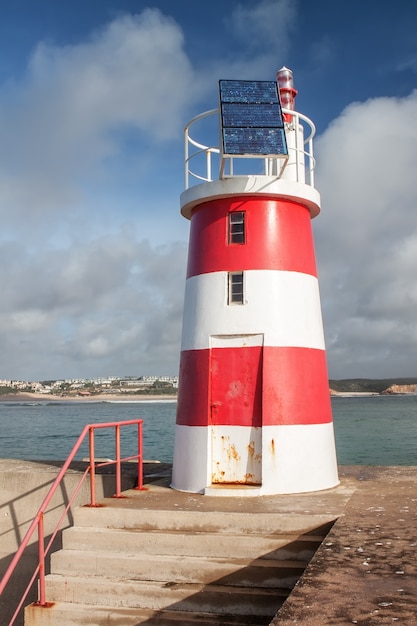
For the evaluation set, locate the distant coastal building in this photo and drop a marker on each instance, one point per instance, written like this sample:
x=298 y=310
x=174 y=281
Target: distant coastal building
x=109 y=384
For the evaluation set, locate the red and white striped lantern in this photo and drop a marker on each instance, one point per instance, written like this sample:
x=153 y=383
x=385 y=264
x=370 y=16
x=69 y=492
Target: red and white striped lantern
x=254 y=414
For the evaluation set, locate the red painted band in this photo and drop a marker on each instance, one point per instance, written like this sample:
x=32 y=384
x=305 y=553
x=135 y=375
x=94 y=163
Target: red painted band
x=278 y=236
x=253 y=386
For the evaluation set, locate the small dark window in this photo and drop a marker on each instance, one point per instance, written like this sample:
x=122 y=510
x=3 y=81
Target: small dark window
x=235 y=288
x=237 y=227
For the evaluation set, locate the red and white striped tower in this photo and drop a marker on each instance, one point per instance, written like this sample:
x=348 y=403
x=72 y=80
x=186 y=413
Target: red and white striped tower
x=254 y=408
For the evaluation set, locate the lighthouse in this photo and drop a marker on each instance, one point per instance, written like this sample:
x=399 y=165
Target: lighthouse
x=253 y=414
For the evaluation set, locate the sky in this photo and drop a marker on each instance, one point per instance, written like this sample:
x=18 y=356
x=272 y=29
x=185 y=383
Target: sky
x=94 y=97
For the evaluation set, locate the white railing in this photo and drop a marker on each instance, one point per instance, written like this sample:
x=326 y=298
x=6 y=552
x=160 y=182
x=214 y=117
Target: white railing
x=196 y=151
x=205 y=163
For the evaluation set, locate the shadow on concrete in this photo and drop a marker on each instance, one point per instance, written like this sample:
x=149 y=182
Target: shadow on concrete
x=263 y=586
x=23 y=487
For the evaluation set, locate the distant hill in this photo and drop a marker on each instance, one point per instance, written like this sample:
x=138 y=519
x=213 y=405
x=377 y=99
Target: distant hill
x=370 y=385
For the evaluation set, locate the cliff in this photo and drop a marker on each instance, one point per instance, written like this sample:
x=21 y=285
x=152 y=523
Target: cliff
x=393 y=389
x=369 y=385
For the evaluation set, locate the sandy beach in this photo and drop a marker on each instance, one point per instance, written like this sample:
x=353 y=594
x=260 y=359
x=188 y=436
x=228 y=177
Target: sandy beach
x=98 y=397
x=128 y=397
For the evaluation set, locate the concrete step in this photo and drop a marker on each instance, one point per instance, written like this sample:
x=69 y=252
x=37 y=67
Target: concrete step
x=131 y=541
x=238 y=572
x=191 y=564
x=124 y=514
x=62 y=614
x=193 y=597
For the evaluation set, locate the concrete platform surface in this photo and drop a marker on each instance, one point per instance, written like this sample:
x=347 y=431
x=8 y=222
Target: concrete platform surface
x=159 y=496
x=365 y=572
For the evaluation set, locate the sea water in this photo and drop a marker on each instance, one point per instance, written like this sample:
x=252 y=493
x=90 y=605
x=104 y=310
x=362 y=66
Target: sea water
x=371 y=430
x=376 y=430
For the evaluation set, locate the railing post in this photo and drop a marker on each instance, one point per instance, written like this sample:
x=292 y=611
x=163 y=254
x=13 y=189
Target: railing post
x=140 y=457
x=311 y=162
x=297 y=147
x=118 y=464
x=208 y=165
x=92 y=468
x=186 y=151
x=41 y=556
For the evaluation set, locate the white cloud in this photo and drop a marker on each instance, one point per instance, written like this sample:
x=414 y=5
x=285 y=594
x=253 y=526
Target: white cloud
x=102 y=307
x=83 y=291
x=367 y=238
x=78 y=102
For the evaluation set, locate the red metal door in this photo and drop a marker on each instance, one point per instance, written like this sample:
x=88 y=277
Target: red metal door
x=236 y=409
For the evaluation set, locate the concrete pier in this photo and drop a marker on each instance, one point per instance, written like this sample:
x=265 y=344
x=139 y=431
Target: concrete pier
x=23 y=486
x=363 y=572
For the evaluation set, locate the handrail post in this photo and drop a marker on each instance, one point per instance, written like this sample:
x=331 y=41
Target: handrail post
x=186 y=151
x=140 y=458
x=118 y=464
x=41 y=556
x=311 y=161
x=208 y=165
x=92 y=468
x=297 y=148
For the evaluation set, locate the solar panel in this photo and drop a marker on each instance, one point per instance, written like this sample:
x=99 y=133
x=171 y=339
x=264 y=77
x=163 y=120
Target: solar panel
x=251 y=91
x=236 y=115
x=254 y=141
x=251 y=118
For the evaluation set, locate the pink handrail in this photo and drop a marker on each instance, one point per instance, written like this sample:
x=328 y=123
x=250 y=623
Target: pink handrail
x=38 y=522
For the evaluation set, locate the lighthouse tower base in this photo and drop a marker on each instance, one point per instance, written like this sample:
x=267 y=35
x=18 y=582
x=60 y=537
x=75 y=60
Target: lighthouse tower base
x=254 y=407
x=302 y=459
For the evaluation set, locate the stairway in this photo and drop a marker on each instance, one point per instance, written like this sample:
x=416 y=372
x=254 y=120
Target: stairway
x=143 y=560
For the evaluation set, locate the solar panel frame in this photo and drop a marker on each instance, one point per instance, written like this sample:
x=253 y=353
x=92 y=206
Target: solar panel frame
x=252 y=124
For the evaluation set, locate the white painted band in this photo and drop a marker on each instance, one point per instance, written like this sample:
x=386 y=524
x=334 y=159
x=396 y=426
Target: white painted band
x=283 y=306
x=191 y=467
x=295 y=459
x=236 y=186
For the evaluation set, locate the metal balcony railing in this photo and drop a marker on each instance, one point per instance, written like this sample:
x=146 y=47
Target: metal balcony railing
x=205 y=163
